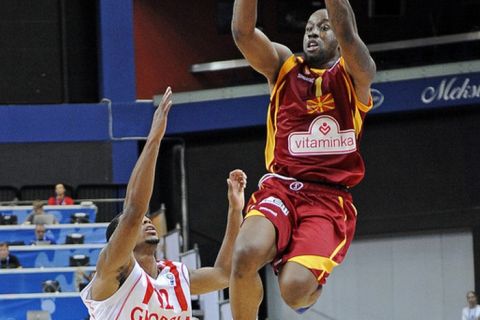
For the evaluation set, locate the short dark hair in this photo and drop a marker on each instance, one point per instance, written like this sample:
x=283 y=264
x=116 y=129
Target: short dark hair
x=112 y=226
x=3 y=244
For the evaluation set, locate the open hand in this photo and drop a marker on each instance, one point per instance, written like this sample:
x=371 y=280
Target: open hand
x=237 y=181
x=159 y=123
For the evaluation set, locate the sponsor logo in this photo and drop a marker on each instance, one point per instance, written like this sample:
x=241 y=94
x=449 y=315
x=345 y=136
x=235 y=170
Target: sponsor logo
x=301 y=76
x=171 y=279
x=295 y=186
x=323 y=137
x=273 y=213
x=451 y=90
x=277 y=203
x=377 y=97
x=138 y=313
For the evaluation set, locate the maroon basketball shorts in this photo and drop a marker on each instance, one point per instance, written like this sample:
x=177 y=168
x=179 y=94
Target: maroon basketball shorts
x=314 y=223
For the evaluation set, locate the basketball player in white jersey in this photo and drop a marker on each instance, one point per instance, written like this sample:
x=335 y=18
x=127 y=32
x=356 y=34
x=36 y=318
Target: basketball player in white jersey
x=129 y=282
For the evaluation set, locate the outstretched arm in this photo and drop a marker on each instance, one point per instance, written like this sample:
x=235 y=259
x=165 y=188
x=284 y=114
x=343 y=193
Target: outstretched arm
x=215 y=278
x=116 y=260
x=358 y=62
x=263 y=55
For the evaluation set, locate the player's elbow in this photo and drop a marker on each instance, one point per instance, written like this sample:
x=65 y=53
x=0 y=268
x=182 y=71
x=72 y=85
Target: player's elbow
x=134 y=212
x=240 y=31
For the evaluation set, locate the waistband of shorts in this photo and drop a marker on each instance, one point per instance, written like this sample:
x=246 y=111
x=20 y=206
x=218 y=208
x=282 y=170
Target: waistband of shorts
x=339 y=187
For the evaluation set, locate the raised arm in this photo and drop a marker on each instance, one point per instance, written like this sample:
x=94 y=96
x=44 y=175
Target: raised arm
x=359 y=64
x=215 y=278
x=263 y=55
x=116 y=260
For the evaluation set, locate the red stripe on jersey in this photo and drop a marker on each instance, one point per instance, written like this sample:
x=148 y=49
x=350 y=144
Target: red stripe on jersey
x=149 y=293
x=128 y=296
x=178 y=286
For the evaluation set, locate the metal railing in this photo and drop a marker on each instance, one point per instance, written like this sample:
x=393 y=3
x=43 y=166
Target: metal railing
x=377 y=47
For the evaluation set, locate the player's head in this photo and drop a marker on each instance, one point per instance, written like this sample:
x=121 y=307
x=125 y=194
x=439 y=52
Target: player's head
x=148 y=234
x=319 y=42
x=472 y=298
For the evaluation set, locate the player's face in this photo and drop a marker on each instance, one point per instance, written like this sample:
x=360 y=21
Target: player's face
x=319 y=42
x=149 y=233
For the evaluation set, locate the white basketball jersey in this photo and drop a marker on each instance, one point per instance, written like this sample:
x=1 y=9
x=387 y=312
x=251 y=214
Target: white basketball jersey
x=143 y=298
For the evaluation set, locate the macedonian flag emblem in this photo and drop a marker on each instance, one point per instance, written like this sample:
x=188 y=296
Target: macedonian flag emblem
x=321 y=104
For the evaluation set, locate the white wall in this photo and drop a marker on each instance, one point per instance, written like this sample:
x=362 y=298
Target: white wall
x=415 y=277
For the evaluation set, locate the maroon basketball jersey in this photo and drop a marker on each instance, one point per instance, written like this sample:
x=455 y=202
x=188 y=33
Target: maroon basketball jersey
x=314 y=125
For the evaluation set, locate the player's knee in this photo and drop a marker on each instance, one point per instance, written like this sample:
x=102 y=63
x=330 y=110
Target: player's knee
x=298 y=291
x=247 y=258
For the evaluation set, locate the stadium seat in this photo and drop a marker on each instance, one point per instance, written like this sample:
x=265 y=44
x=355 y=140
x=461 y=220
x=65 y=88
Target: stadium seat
x=75 y=238
x=8 y=193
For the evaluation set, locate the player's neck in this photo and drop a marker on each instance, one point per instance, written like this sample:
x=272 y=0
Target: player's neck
x=322 y=64
x=146 y=259
x=321 y=61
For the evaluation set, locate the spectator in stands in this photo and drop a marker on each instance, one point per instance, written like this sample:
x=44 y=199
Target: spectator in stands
x=60 y=197
x=7 y=260
x=83 y=278
x=42 y=237
x=39 y=216
x=472 y=311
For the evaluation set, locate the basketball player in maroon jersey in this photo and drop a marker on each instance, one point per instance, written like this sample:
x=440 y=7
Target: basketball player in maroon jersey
x=129 y=283
x=302 y=218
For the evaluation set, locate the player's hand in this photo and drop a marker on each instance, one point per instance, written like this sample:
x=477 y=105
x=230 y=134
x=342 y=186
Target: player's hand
x=237 y=181
x=159 y=123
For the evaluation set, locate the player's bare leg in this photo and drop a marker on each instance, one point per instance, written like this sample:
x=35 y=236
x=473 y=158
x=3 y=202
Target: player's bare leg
x=255 y=246
x=298 y=286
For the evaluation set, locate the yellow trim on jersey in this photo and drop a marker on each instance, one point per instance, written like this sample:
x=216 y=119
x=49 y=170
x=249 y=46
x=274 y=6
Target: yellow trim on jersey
x=315 y=262
x=252 y=213
x=360 y=105
x=272 y=130
x=340 y=200
x=318 y=71
x=287 y=66
x=340 y=246
x=350 y=95
x=318 y=87
x=357 y=121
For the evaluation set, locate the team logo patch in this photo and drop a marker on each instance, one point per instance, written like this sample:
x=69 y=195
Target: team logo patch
x=171 y=279
x=323 y=137
x=295 y=186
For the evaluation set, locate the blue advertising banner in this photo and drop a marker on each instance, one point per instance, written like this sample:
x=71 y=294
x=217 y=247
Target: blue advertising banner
x=426 y=93
x=60 y=306
x=26 y=281
x=93 y=233
x=49 y=256
x=62 y=213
